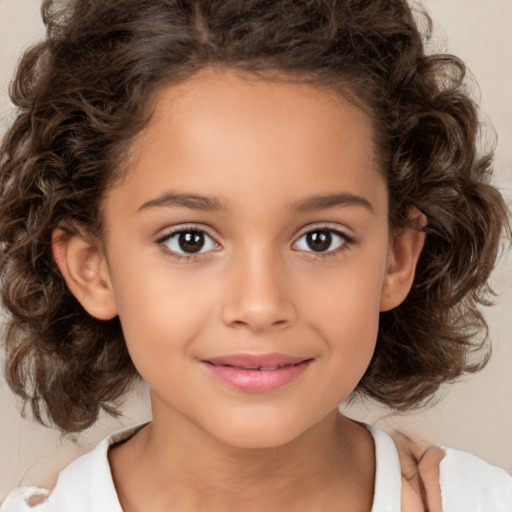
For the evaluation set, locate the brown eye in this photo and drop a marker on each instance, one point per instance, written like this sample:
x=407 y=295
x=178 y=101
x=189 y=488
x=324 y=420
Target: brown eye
x=322 y=241
x=319 y=241
x=191 y=241
x=188 y=241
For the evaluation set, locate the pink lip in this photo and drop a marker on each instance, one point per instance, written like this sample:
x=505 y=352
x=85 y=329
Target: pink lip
x=257 y=373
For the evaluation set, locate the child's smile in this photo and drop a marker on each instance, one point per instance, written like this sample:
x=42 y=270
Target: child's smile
x=258 y=373
x=249 y=256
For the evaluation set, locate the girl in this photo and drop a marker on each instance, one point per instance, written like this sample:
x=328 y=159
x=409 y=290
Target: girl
x=261 y=209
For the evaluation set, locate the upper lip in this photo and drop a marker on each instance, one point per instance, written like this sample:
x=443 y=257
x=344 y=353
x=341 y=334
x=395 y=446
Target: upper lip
x=254 y=361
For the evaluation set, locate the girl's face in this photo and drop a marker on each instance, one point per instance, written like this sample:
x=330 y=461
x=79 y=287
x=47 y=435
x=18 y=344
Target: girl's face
x=248 y=256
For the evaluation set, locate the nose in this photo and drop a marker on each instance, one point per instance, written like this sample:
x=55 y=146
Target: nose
x=258 y=295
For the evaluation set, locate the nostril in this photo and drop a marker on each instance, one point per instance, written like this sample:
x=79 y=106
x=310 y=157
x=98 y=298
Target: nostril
x=280 y=322
x=259 y=324
x=258 y=311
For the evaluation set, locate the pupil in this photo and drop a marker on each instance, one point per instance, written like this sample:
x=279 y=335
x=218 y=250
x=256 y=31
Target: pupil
x=319 y=240
x=191 y=241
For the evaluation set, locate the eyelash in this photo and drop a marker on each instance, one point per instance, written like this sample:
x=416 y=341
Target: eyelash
x=162 y=243
x=346 y=242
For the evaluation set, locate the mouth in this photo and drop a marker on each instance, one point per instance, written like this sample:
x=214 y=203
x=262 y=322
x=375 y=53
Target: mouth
x=256 y=373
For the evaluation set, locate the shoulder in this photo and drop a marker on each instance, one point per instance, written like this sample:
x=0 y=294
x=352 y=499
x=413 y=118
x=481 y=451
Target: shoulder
x=25 y=499
x=469 y=483
x=451 y=480
x=81 y=486
x=85 y=485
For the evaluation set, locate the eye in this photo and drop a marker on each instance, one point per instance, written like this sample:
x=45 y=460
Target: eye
x=325 y=240
x=188 y=242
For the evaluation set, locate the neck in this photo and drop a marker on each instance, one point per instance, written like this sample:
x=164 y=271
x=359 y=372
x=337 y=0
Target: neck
x=163 y=467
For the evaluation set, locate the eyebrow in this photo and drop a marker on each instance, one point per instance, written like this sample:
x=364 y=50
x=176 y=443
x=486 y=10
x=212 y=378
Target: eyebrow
x=192 y=201
x=209 y=203
x=324 y=202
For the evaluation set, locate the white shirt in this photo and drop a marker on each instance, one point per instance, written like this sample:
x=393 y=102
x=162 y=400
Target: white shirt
x=468 y=484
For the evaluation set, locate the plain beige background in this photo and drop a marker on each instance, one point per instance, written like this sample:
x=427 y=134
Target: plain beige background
x=473 y=415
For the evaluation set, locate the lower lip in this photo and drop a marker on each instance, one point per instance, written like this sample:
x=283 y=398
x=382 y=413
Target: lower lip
x=257 y=381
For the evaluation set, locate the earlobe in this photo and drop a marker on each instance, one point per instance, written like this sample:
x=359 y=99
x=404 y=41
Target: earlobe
x=85 y=271
x=404 y=252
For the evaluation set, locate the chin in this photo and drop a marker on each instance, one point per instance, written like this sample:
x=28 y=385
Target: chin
x=258 y=433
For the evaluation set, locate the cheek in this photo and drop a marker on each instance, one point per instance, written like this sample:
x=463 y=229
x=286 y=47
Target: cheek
x=349 y=294
x=161 y=313
x=343 y=306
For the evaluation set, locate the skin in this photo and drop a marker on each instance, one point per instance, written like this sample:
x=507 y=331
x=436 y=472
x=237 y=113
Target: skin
x=261 y=149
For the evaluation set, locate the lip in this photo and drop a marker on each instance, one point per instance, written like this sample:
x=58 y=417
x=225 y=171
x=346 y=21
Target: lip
x=256 y=373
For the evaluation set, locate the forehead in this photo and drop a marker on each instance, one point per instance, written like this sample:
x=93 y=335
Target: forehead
x=237 y=133
x=223 y=99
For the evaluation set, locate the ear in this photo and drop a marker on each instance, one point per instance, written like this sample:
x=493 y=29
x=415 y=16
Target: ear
x=404 y=250
x=84 y=268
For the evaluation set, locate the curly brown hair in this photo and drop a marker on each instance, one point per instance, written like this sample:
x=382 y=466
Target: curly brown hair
x=84 y=93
